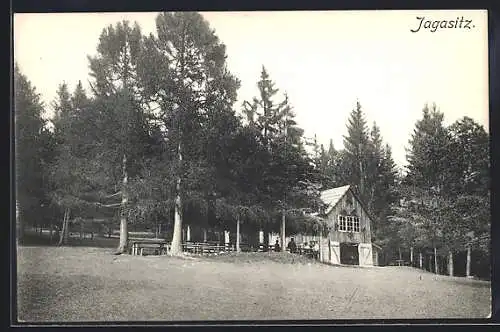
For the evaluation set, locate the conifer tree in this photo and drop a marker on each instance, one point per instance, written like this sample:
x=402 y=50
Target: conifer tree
x=117 y=92
x=192 y=88
x=31 y=134
x=356 y=146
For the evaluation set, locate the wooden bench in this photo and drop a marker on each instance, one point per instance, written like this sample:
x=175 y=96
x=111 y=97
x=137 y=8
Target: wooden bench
x=203 y=248
x=160 y=247
x=401 y=262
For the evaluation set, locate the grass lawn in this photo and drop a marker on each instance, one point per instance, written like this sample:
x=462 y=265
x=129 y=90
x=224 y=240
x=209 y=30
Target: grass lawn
x=90 y=284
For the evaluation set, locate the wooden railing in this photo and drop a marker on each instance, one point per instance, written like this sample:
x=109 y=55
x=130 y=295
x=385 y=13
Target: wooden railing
x=139 y=246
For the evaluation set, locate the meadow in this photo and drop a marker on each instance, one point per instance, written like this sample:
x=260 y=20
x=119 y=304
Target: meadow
x=78 y=284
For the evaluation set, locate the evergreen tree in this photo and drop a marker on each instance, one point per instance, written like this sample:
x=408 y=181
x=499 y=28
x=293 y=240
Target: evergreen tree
x=443 y=166
x=387 y=196
x=264 y=111
x=118 y=99
x=290 y=181
x=469 y=151
x=427 y=155
x=191 y=86
x=356 y=145
x=333 y=173
x=31 y=135
x=373 y=169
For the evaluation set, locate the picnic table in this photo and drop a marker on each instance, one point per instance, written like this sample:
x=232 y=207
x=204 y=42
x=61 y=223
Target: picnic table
x=204 y=247
x=306 y=251
x=401 y=262
x=160 y=246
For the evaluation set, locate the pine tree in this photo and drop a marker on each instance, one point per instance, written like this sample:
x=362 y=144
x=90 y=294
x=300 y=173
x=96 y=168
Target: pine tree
x=191 y=85
x=373 y=169
x=333 y=170
x=30 y=137
x=386 y=197
x=64 y=169
x=118 y=96
x=469 y=151
x=75 y=182
x=427 y=155
x=356 y=145
x=290 y=182
x=264 y=111
x=427 y=181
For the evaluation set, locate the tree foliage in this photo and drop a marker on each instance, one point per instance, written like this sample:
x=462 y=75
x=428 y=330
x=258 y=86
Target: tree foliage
x=158 y=140
x=445 y=192
x=33 y=153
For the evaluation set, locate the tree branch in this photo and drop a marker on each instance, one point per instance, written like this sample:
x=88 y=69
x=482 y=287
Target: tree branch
x=112 y=195
x=109 y=205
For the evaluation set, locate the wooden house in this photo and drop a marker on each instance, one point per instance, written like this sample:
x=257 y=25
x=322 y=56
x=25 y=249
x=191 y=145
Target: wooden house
x=349 y=239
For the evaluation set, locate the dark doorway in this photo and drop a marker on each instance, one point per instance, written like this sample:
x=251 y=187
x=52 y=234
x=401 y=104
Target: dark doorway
x=349 y=254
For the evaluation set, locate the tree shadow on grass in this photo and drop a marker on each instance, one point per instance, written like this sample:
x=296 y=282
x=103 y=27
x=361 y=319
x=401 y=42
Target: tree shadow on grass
x=45 y=241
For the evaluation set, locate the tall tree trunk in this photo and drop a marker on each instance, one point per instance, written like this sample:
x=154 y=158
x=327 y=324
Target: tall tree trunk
x=361 y=177
x=436 y=269
x=51 y=232
x=188 y=233
x=411 y=256
x=371 y=203
x=450 y=263
x=64 y=232
x=63 y=229
x=226 y=239
x=420 y=258
x=122 y=247
x=67 y=228
x=238 y=249
x=329 y=251
x=467 y=267
x=176 y=247
x=283 y=225
x=320 y=254
x=400 y=255
x=205 y=237
x=266 y=238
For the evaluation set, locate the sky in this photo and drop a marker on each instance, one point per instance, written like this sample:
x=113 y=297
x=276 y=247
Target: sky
x=323 y=60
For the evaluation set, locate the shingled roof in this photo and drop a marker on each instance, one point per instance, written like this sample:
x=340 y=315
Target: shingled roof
x=332 y=196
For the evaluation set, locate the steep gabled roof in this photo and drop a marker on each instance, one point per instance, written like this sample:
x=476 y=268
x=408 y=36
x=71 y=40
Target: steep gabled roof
x=332 y=196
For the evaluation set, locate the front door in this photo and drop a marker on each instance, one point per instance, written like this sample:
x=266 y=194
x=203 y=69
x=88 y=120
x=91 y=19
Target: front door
x=349 y=254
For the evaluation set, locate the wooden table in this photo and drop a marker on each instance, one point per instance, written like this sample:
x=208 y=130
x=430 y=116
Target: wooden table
x=305 y=251
x=203 y=248
x=138 y=246
x=400 y=262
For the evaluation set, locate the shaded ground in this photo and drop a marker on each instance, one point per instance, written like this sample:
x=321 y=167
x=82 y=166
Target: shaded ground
x=91 y=284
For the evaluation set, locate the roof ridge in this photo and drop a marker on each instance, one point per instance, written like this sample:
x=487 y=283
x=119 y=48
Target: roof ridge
x=332 y=196
x=347 y=185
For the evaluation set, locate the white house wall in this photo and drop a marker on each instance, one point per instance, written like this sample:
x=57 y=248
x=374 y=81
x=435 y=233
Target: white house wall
x=364 y=221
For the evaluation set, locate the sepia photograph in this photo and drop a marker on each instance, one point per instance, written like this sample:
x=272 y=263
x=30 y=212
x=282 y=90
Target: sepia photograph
x=251 y=166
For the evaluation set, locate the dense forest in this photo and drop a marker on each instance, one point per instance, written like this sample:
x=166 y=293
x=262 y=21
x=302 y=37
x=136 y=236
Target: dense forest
x=160 y=138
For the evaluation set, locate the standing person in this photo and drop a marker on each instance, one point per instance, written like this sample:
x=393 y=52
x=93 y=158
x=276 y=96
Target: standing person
x=292 y=246
x=316 y=250
x=277 y=246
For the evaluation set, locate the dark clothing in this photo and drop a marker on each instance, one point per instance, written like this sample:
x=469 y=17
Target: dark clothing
x=277 y=246
x=292 y=247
